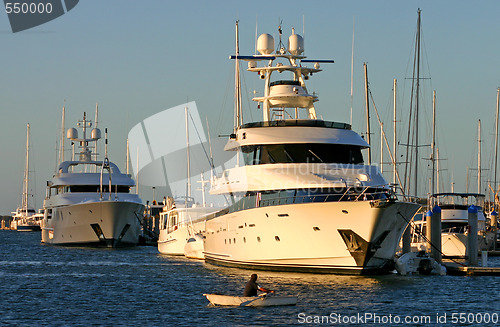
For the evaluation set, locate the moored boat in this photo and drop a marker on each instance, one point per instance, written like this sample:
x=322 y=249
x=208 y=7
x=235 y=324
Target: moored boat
x=88 y=202
x=182 y=223
x=304 y=200
x=455 y=225
x=26 y=218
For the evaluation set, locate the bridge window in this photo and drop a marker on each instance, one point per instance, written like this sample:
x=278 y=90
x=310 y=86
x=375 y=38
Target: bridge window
x=302 y=153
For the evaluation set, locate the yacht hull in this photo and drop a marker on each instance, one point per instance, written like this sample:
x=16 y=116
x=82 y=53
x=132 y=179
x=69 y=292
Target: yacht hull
x=100 y=223
x=28 y=228
x=454 y=245
x=347 y=237
x=174 y=242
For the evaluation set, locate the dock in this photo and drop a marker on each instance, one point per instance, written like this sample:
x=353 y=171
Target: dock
x=456 y=269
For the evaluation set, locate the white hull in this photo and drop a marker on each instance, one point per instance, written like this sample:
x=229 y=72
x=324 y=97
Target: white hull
x=454 y=245
x=251 y=301
x=194 y=247
x=23 y=223
x=352 y=237
x=174 y=242
x=101 y=223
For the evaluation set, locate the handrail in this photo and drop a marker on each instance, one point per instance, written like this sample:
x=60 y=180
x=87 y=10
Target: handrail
x=326 y=196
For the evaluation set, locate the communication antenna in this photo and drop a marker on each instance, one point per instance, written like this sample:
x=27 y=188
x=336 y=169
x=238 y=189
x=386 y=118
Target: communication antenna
x=256 y=21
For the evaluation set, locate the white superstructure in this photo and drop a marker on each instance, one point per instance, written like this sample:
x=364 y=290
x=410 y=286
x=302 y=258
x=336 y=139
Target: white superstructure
x=303 y=200
x=88 y=202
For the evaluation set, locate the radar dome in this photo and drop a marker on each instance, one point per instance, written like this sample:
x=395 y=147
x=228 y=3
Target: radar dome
x=72 y=133
x=265 y=44
x=296 y=44
x=95 y=134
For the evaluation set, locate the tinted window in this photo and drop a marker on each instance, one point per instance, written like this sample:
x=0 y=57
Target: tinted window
x=302 y=153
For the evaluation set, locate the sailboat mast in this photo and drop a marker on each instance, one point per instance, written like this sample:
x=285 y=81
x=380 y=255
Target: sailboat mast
x=367 y=103
x=479 y=156
x=433 y=144
x=237 y=89
x=61 y=146
x=417 y=93
x=26 y=172
x=394 y=138
x=352 y=69
x=437 y=170
x=96 y=144
x=381 y=147
x=496 y=146
x=188 y=191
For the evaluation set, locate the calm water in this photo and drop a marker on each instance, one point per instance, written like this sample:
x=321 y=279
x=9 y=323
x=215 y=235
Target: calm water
x=56 y=286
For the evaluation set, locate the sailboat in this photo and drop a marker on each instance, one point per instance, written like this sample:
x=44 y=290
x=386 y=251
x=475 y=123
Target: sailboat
x=302 y=197
x=453 y=206
x=182 y=221
x=25 y=218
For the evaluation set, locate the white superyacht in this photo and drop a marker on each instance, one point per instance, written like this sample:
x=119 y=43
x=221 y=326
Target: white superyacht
x=304 y=200
x=88 y=202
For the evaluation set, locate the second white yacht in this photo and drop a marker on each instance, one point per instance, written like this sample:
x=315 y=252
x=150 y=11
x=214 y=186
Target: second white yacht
x=88 y=202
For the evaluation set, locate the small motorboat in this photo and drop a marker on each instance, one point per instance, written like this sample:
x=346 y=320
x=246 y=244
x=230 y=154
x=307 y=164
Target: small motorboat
x=263 y=300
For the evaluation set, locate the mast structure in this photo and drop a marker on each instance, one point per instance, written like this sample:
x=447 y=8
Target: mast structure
x=414 y=112
x=479 y=157
x=367 y=103
x=496 y=150
x=394 y=138
x=277 y=97
x=61 y=145
x=381 y=147
x=433 y=144
x=26 y=173
x=417 y=92
x=237 y=83
x=352 y=70
x=437 y=170
x=188 y=189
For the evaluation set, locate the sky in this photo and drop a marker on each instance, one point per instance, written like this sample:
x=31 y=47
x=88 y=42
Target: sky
x=137 y=58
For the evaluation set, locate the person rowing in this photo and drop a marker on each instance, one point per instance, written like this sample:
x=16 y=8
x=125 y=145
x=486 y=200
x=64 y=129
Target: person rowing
x=252 y=287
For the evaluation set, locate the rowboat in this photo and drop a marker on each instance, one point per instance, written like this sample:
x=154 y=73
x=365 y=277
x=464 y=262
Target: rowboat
x=251 y=301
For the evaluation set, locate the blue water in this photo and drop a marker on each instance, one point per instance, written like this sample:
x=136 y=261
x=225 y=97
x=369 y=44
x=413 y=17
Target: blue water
x=44 y=285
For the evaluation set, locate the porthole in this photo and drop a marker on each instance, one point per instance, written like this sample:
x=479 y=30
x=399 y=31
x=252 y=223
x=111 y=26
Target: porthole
x=258 y=239
x=277 y=238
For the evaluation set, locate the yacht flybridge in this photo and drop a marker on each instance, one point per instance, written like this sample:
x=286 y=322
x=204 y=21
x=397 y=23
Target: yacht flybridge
x=88 y=202
x=304 y=200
